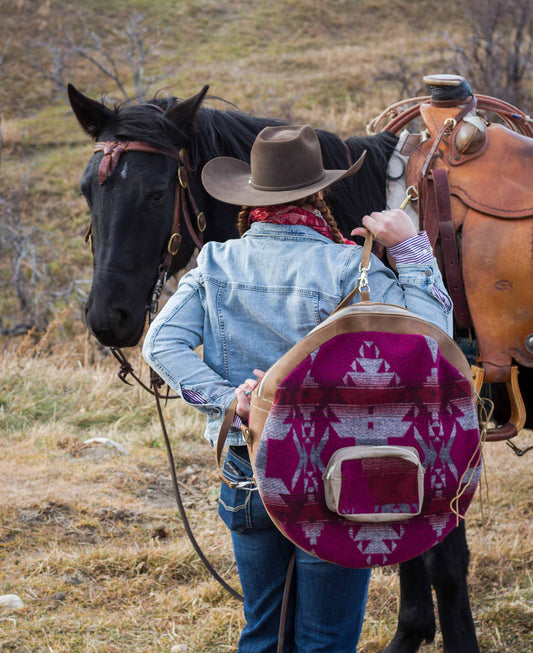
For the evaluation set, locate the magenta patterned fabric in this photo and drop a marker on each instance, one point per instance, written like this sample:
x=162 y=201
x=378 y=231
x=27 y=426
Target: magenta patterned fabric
x=369 y=389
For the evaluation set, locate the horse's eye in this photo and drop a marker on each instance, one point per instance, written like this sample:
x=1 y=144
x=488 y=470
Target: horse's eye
x=157 y=195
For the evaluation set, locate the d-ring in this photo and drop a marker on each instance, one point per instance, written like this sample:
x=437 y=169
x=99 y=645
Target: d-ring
x=451 y=123
x=183 y=183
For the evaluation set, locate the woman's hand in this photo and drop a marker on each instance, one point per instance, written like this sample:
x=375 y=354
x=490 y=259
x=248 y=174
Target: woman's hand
x=243 y=393
x=389 y=227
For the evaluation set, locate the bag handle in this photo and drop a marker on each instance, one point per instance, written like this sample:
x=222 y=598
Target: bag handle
x=221 y=440
x=362 y=282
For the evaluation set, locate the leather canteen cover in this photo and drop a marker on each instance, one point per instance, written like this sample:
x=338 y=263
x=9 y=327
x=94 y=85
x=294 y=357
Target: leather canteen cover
x=372 y=413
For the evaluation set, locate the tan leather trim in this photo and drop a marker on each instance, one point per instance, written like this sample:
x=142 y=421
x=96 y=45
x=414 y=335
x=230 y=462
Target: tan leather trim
x=259 y=408
x=364 y=316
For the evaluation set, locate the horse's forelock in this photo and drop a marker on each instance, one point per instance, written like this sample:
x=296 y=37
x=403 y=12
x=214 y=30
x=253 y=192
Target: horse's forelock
x=147 y=122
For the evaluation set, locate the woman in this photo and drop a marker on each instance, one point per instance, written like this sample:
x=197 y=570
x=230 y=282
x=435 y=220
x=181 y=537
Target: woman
x=248 y=301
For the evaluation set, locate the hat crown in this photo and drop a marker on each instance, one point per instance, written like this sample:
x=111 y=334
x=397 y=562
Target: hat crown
x=285 y=158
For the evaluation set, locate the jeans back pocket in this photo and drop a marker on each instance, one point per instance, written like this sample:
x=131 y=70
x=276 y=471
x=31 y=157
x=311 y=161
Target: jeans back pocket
x=241 y=508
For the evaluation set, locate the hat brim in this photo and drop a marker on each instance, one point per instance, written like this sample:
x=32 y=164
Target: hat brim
x=228 y=180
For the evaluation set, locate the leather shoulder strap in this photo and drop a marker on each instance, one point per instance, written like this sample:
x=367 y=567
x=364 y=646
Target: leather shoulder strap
x=221 y=439
x=364 y=267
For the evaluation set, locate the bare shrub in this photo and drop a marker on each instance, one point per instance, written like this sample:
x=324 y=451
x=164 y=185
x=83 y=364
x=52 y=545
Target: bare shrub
x=118 y=55
x=403 y=76
x=497 y=56
x=30 y=292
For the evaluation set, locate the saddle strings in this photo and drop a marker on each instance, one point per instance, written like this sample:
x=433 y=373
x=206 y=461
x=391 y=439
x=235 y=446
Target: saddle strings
x=485 y=408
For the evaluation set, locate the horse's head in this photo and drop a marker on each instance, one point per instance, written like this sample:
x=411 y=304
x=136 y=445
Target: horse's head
x=131 y=191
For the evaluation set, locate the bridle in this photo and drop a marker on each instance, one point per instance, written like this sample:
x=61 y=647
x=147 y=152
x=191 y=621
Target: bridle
x=184 y=199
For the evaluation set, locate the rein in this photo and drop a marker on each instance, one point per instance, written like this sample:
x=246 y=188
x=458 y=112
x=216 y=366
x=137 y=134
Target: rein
x=156 y=384
x=184 y=198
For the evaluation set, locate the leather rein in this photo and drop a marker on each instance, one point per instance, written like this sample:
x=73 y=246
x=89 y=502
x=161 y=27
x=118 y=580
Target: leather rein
x=184 y=199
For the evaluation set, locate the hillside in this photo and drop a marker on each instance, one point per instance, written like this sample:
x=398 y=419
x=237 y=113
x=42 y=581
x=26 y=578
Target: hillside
x=300 y=60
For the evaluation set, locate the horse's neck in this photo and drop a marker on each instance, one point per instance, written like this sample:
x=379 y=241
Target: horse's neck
x=396 y=176
x=222 y=133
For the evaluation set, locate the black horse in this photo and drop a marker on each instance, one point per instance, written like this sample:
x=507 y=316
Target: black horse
x=135 y=237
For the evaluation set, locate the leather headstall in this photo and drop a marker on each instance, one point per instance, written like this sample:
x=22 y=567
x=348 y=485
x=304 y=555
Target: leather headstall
x=183 y=198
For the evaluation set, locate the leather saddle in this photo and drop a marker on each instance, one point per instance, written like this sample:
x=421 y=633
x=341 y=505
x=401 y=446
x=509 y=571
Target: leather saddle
x=472 y=182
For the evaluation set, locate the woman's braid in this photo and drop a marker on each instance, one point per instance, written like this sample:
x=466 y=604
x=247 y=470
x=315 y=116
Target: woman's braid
x=242 y=220
x=324 y=209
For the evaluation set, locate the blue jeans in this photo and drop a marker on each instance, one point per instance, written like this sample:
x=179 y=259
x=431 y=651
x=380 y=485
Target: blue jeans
x=327 y=602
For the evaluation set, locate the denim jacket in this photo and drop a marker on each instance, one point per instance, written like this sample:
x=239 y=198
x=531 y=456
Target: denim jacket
x=249 y=300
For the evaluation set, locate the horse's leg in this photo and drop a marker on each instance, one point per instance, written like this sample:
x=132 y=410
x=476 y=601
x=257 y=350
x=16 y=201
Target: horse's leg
x=447 y=567
x=416 y=620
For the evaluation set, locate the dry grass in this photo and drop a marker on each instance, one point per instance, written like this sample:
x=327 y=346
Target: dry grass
x=92 y=542
x=90 y=537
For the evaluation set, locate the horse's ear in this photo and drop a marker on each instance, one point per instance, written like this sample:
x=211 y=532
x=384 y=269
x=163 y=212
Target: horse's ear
x=184 y=113
x=92 y=115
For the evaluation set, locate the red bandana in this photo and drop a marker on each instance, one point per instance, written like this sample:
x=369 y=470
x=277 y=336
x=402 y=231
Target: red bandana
x=290 y=214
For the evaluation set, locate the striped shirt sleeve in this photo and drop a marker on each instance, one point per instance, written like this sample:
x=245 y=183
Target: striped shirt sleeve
x=193 y=397
x=417 y=249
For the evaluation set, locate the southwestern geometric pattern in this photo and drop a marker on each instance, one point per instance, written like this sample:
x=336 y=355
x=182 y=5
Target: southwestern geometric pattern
x=369 y=388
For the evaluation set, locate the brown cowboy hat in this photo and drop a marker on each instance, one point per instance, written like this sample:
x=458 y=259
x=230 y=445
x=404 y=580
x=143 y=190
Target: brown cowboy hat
x=285 y=165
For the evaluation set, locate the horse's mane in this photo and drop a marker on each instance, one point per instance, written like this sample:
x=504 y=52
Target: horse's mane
x=232 y=133
x=365 y=191
x=226 y=132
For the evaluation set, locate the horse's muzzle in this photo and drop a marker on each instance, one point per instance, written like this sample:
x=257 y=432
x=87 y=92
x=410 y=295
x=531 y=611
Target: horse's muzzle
x=115 y=325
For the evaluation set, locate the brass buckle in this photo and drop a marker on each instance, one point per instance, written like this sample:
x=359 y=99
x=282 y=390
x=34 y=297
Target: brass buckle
x=201 y=222
x=174 y=244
